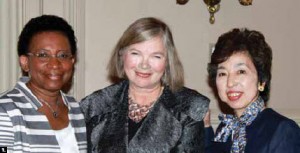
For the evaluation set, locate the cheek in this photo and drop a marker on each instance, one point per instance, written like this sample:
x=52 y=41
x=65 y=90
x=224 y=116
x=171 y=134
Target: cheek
x=251 y=86
x=159 y=66
x=36 y=67
x=68 y=67
x=68 y=71
x=220 y=83
x=129 y=62
x=221 y=87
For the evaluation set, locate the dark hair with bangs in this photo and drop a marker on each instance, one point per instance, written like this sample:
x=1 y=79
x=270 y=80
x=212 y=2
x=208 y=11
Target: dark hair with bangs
x=243 y=40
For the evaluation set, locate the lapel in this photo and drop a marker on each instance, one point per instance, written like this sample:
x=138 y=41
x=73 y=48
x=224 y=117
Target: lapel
x=161 y=130
x=109 y=129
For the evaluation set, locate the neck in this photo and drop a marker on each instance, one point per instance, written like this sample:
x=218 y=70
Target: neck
x=239 y=112
x=50 y=97
x=145 y=96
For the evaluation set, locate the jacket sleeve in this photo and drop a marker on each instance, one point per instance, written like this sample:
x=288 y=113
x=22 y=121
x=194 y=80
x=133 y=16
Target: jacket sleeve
x=92 y=105
x=6 y=130
x=208 y=137
x=286 y=138
x=192 y=139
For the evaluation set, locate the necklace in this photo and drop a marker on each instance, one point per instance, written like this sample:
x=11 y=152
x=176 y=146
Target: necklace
x=55 y=112
x=137 y=112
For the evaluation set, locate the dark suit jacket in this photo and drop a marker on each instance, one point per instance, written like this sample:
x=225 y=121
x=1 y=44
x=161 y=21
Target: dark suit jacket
x=175 y=123
x=270 y=132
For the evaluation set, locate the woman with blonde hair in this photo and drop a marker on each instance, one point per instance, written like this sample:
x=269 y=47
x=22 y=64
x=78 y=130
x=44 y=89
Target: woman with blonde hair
x=147 y=109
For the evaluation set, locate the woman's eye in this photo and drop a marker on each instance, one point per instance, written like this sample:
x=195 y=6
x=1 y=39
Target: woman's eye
x=158 y=56
x=64 y=55
x=221 y=74
x=134 y=53
x=241 y=72
x=42 y=55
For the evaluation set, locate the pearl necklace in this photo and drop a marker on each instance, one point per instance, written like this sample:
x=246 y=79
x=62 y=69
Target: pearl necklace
x=55 y=112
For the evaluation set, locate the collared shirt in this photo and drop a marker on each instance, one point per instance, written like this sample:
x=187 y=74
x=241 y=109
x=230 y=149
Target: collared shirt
x=24 y=129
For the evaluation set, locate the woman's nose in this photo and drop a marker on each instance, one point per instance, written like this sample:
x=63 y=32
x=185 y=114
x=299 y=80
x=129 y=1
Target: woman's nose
x=54 y=62
x=231 y=80
x=144 y=64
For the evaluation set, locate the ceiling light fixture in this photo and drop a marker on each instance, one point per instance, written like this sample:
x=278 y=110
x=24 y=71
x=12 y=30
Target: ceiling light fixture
x=213 y=6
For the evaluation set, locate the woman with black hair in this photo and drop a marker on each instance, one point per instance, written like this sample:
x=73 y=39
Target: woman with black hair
x=36 y=115
x=240 y=73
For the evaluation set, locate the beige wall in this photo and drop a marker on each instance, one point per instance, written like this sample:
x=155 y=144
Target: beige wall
x=277 y=19
x=99 y=23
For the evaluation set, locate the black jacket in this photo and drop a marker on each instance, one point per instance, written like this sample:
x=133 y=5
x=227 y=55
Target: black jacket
x=174 y=124
x=270 y=132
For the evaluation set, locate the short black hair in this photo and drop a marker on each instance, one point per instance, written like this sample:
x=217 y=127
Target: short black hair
x=45 y=23
x=243 y=40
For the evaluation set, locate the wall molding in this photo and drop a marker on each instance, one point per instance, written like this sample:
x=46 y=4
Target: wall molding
x=11 y=23
x=76 y=16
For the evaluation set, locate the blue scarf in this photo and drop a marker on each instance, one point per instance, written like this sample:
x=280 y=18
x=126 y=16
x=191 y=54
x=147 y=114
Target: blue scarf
x=237 y=126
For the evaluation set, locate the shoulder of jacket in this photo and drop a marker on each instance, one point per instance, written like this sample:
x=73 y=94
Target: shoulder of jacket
x=192 y=103
x=102 y=94
x=278 y=118
x=102 y=101
x=8 y=97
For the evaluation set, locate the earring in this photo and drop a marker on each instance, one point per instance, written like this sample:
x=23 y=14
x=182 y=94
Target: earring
x=261 y=88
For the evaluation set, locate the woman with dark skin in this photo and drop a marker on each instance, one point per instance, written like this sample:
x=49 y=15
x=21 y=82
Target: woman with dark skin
x=147 y=109
x=37 y=116
x=240 y=73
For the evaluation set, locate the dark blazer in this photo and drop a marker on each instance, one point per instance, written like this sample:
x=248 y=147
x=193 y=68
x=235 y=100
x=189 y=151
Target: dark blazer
x=270 y=132
x=175 y=123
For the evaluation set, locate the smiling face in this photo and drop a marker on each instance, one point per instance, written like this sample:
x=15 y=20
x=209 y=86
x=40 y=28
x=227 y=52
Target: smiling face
x=237 y=82
x=145 y=62
x=49 y=75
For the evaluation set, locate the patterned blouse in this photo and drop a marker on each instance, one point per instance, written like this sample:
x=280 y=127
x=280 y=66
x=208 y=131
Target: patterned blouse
x=24 y=129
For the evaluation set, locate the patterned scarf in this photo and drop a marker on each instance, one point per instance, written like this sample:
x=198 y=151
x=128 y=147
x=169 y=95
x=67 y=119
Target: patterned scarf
x=237 y=126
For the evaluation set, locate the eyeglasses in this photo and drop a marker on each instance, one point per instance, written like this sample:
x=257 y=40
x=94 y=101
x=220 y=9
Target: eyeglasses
x=45 y=57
